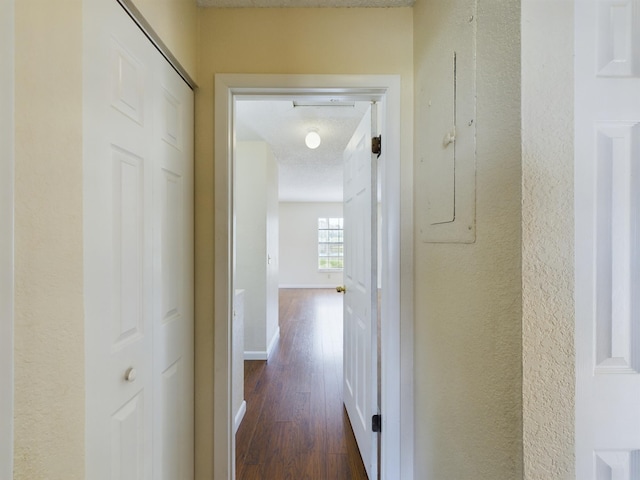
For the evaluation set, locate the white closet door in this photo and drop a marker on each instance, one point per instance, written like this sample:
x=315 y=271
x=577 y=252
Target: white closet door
x=607 y=201
x=137 y=251
x=173 y=276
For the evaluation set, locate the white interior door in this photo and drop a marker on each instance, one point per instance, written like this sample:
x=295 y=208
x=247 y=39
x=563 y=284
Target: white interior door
x=360 y=298
x=607 y=242
x=137 y=254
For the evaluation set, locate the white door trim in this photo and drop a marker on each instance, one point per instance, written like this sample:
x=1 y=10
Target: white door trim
x=6 y=235
x=397 y=337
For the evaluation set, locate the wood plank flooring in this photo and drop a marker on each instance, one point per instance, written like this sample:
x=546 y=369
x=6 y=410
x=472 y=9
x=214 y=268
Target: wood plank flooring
x=295 y=426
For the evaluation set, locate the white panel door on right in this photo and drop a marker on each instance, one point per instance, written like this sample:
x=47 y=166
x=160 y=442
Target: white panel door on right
x=607 y=241
x=360 y=298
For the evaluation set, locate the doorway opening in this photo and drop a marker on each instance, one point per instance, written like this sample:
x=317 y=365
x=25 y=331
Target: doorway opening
x=396 y=349
x=291 y=252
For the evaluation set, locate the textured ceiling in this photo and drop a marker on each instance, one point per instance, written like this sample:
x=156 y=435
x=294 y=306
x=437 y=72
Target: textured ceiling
x=303 y=3
x=305 y=175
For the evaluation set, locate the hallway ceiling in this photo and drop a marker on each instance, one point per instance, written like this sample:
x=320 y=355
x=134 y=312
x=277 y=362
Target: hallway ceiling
x=303 y=3
x=304 y=175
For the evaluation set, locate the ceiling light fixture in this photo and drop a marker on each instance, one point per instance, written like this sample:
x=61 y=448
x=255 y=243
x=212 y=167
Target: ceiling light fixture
x=312 y=140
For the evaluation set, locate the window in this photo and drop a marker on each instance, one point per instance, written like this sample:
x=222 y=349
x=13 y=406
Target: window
x=330 y=244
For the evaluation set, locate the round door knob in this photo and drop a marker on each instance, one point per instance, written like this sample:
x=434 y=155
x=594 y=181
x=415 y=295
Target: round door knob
x=341 y=289
x=130 y=374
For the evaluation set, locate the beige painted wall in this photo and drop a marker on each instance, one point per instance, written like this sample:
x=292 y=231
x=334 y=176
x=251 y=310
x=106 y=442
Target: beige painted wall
x=302 y=41
x=49 y=330
x=468 y=297
x=547 y=238
x=175 y=21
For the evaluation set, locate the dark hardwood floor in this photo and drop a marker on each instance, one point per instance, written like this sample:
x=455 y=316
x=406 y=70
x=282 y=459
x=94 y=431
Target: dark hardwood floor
x=296 y=426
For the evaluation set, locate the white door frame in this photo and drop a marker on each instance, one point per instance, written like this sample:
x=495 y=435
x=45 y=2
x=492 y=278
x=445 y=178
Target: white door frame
x=397 y=349
x=6 y=234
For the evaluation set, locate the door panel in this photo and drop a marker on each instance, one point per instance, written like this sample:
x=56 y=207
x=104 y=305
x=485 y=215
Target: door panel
x=607 y=211
x=129 y=235
x=127 y=82
x=170 y=422
x=127 y=440
x=171 y=206
x=360 y=299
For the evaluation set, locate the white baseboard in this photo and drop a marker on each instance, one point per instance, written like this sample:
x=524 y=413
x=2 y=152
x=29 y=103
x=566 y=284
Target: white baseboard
x=330 y=285
x=263 y=355
x=255 y=355
x=240 y=415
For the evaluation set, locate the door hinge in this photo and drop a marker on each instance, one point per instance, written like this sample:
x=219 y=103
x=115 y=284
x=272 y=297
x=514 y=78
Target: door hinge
x=376 y=145
x=376 y=423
